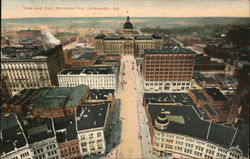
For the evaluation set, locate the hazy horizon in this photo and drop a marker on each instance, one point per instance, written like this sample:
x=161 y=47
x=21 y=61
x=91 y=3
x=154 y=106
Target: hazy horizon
x=119 y=8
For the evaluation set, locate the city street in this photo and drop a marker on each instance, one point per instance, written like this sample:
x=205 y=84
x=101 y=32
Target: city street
x=130 y=134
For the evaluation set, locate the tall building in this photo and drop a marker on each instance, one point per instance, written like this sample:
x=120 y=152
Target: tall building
x=13 y=142
x=5 y=90
x=168 y=69
x=96 y=77
x=178 y=132
x=31 y=67
x=128 y=43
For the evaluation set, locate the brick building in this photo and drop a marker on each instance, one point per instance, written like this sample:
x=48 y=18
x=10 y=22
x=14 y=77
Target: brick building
x=168 y=69
x=85 y=59
x=47 y=102
x=66 y=136
x=5 y=90
x=215 y=98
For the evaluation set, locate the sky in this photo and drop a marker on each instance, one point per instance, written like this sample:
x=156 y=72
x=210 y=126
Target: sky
x=117 y=8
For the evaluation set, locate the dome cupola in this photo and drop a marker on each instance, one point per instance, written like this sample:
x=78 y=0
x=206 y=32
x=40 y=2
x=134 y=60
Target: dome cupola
x=161 y=122
x=128 y=24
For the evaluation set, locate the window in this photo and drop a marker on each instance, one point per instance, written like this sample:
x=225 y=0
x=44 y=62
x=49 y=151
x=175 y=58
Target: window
x=99 y=134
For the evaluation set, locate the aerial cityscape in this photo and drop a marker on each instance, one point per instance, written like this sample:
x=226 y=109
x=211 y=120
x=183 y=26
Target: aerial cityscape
x=125 y=79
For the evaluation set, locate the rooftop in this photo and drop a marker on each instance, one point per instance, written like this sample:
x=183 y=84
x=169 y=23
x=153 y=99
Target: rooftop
x=215 y=94
x=176 y=50
x=21 y=96
x=38 y=130
x=65 y=128
x=174 y=98
x=12 y=134
x=194 y=127
x=199 y=95
x=89 y=70
x=89 y=116
x=87 y=56
x=57 y=96
x=100 y=93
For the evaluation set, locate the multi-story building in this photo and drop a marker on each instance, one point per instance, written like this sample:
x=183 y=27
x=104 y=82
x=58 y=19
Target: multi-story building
x=96 y=77
x=215 y=98
x=13 y=143
x=42 y=139
x=31 y=67
x=47 y=102
x=127 y=43
x=91 y=129
x=66 y=135
x=178 y=132
x=168 y=69
x=5 y=89
x=85 y=59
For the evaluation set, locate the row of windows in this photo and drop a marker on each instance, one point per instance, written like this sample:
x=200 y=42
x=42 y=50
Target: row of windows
x=166 y=69
x=168 y=76
x=23 y=65
x=148 y=66
x=169 y=57
x=85 y=77
x=91 y=136
x=147 y=73
x=87 y=81
x=162 y=62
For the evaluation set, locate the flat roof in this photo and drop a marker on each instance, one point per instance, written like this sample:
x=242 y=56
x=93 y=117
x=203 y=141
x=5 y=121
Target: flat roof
x=87 y=56
x=92 y=115
x=177 y=50
x=215 y=94
x=194 y=127
x=65 y=128
x=39 y=130
x=181 y=98
x=12 y=134
x=199 y=95
x=100 y=93
x=55 y=97
x=89 y=70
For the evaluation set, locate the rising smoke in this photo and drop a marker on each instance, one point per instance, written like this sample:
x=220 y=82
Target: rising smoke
x=50 y=38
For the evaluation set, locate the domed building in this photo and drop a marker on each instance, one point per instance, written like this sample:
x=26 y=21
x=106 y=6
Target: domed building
x=130 y=42
x=128 y=28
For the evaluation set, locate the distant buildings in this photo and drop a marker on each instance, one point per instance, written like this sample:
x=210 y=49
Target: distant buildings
x=29 y=37
x=128 y=43
x=84 y=59
x=204 y=63
x=31 y=67
x=168 y=70
x=47 y=102
x=96 y=77
x=178 y=132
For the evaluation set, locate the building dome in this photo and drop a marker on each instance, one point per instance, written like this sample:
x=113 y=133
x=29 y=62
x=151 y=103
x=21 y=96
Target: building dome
x=161 y=122
x=128 y=24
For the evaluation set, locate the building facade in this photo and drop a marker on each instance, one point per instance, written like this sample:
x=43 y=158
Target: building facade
x=5 y=90
x=168 y=70
x=96 y=77
x=26 y=68
x=129 y=43
x=177 y=132
x=91 y=129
